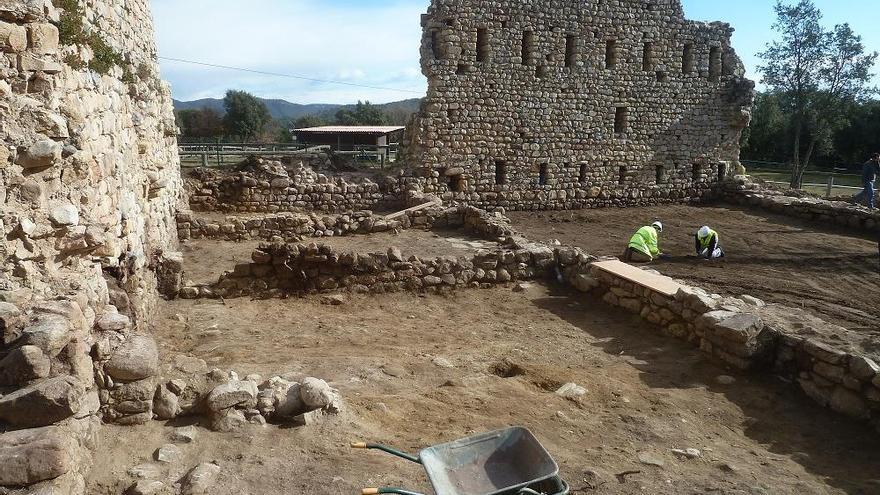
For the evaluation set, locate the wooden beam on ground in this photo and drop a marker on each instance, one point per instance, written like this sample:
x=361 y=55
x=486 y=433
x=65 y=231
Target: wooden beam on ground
x=420 y=207
x=657 y=283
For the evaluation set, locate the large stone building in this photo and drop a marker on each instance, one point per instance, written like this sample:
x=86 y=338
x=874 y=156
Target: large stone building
x=577 y=103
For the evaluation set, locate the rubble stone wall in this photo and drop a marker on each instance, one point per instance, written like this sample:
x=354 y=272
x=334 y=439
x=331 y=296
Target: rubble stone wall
x=747 y=334
x=89 y=183
x=839 y=213
x=269 y=187
x=576 y=103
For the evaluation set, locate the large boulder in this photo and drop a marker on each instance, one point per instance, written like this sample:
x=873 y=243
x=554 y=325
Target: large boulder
x=32 y=456
x=137 y=358
x=317 y=394
x=43 y=403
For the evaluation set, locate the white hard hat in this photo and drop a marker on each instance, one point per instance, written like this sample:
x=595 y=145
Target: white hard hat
x=703 y=233
x=658 y=226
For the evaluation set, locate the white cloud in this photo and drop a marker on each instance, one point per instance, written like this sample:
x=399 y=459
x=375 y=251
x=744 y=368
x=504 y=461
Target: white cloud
x=367 y=42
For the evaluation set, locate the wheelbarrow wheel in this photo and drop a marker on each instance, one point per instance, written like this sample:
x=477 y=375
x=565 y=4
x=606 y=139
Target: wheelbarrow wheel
x=561 y=488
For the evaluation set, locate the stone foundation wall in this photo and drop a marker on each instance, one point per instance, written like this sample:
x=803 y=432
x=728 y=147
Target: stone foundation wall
x=842 y=214
x=288 y=227
x=747 y=334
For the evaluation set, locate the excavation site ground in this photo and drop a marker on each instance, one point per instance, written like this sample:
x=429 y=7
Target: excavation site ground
x=829 y=271
x=420 y=369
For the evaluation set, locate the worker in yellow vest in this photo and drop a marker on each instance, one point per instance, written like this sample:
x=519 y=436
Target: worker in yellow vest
x=708 y=244
x=644 y=246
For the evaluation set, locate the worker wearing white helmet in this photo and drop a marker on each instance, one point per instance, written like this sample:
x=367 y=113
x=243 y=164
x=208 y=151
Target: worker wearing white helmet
x=708 y=244
x=644 y=246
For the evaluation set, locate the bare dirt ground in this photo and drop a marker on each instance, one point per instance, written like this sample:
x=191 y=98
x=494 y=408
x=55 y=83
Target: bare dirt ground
x=509 y=351
x=830 y=272
x=206 y=259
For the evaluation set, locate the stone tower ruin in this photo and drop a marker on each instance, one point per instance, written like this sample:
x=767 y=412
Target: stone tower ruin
x=539 y=104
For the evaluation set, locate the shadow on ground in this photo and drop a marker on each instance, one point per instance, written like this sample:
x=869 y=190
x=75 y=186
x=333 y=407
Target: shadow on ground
x=842 y=451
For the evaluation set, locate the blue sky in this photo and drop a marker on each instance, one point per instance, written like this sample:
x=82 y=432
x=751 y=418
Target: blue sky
x=375 y=43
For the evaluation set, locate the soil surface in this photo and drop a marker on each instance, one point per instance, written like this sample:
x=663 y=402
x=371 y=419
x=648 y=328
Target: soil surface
x=832 y=273
x=205 y=259
x=417 y=371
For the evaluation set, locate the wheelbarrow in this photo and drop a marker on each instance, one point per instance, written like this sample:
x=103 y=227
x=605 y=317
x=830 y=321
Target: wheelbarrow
x=503 y=462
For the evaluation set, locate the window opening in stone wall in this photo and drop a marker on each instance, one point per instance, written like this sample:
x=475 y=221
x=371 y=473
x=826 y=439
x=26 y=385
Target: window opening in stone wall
x=528 y=44
x=582 y=173
x=541 y=71
x=621 y=177
x=661 y=174
x=482 y=45
x=715 y=63
x=455 y=183
x=722 y=172
x=687 y=59
x=696 y=172
x=610 y=54
x=462 y=69
x=500 y=172
x=648 y=56
x=571 y=42
x=621 y=120
x=435 y=44
x=542 y=174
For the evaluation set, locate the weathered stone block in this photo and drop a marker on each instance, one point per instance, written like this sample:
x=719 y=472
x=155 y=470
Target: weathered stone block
x=13 y=38
x=135 y=359
x=233 y=393
x=43 y=403
x=24 y=364
x=31 y=456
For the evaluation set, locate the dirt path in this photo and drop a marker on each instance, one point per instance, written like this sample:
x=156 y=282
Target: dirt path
x=509 y=352
x=829 y=272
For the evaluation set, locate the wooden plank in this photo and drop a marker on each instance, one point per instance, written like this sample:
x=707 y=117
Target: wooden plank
x=420 y=207
x=657 y=283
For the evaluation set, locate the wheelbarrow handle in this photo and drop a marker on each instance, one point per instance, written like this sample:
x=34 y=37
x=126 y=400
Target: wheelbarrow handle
x=398 y=491
x=389 y=450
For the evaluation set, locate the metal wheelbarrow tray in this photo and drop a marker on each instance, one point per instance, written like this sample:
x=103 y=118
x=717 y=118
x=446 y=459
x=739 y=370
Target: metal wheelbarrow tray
x=503 y=462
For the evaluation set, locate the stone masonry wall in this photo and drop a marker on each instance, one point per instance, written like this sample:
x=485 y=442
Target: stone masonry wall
x=743 y=192
x=89 y=183
x=269 y=187
x=576 y=103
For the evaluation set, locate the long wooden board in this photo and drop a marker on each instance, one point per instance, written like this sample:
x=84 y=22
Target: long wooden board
x=414 y=208
x=657 y=283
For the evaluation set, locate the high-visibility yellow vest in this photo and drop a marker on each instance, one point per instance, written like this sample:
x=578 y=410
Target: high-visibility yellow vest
x=705 y=242
x=645 y=241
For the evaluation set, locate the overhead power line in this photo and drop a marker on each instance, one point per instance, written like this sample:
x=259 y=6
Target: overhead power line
x=289 y=76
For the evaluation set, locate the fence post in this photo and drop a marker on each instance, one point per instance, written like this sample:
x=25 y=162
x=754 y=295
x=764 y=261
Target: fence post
x=205 y=159
x=830 y=186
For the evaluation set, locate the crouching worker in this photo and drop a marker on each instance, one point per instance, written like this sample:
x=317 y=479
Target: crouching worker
x=644 y=246
x=708 y=244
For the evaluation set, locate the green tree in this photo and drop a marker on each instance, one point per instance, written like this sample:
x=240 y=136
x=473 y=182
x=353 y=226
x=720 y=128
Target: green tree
x=818 y=74
x=203 y=123
x=246 y=116
x=364 y=113
x=308 y=121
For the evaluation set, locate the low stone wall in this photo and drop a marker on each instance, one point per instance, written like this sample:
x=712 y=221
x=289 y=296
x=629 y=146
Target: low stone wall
x=270 y=187
x=840 y=213
x=289 y=227
x=747 y=334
